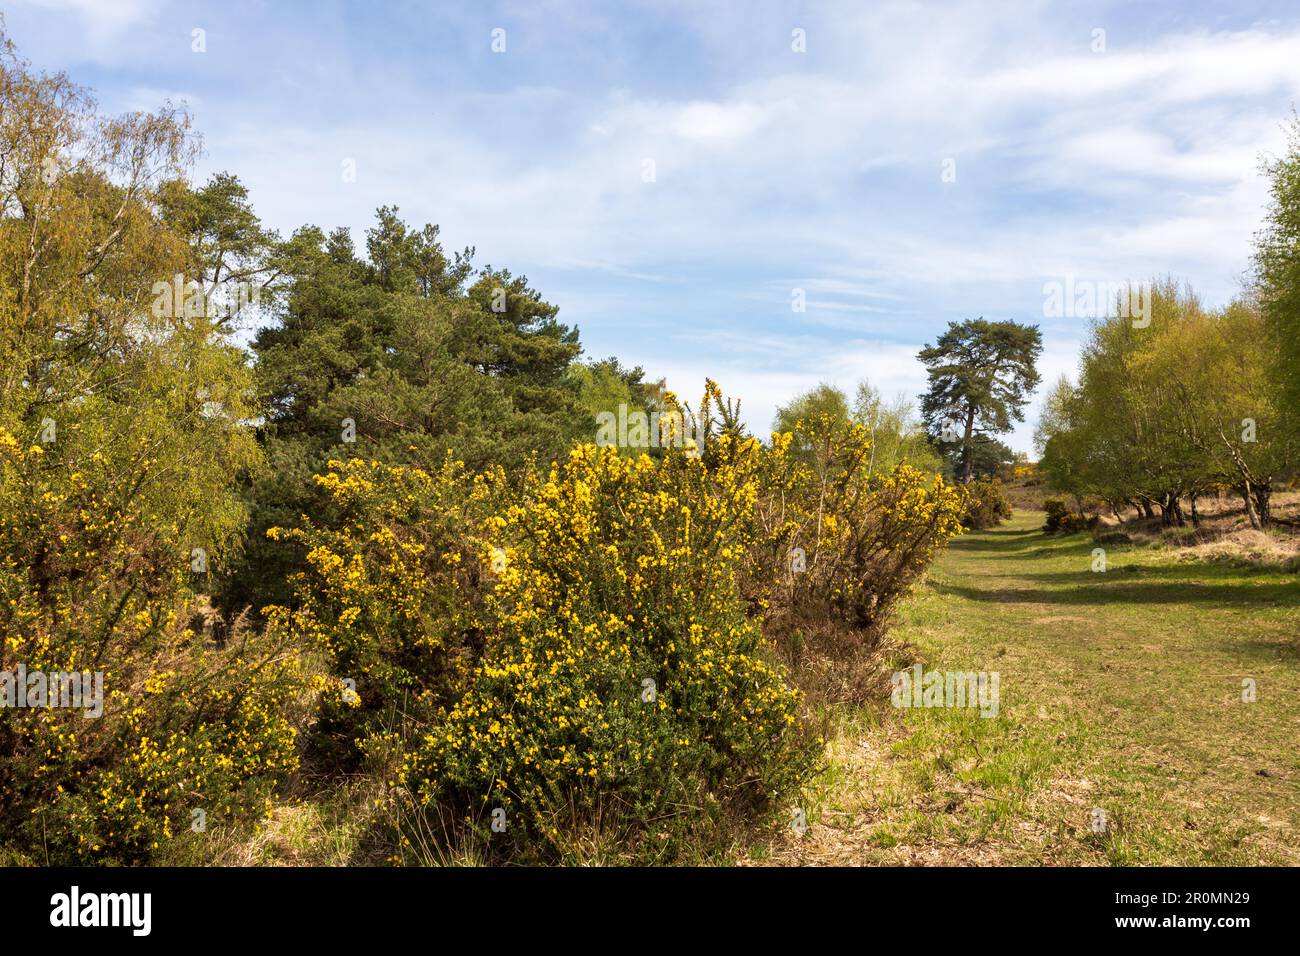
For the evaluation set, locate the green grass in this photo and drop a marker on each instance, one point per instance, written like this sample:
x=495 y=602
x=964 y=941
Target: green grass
x=1120 y=690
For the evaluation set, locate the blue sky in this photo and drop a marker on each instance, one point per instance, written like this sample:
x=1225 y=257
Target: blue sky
x=774 y=170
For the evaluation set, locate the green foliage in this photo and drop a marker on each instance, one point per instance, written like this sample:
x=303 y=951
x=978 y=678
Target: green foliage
x=894 y=437
x=1277 y=267
x=1061 y=519
x=988 y=457
x=1170 y=409
x=986 y=505
x=981 y=374
x=227 y=244
x=823 y=402
x=897 y=436
x=1060 y=442
x=604 y=386
x=400 y=358
x=122 y=432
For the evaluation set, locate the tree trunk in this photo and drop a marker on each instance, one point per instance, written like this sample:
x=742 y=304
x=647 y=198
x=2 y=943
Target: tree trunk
x=1171 y=512
x=1263 y=491
x=1147 y=510
x=967 y=453
x=1247 y=496
x=1196 y=517
x=1252 y=492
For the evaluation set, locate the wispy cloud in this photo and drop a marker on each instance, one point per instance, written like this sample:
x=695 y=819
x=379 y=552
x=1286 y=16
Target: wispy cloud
x=772 y=169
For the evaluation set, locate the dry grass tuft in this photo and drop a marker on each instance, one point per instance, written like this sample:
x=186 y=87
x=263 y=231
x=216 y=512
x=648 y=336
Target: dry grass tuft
x=1248 y=548
x=831 y=663
x=1223 y=536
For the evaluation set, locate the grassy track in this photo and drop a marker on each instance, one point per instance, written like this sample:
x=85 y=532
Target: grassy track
x=1120 y=690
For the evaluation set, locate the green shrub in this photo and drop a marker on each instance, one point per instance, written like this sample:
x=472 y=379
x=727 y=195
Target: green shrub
x=1061 y=519
x=593 y=649
x=95 y=580
x=986 y=504
x=582 y=657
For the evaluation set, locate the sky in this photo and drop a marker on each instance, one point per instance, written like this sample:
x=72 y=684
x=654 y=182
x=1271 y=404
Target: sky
x=677 y=176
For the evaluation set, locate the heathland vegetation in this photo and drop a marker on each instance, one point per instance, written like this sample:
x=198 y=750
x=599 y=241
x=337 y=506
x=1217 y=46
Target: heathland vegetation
x=407 y=570
x=378 y=563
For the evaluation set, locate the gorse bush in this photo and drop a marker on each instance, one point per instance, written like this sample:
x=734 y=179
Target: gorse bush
x=836 y=541
x=586 y=649
x=1062 y=519
x=393 y=595
x=95 y=575
x=622 y=676
x=584 y=655
x=986 y=504
x=836 y=545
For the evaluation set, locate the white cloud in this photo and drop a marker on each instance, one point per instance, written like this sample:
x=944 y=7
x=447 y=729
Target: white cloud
x=97 y=16
x=775 y=170
x=93 y=30
x=717 y=121
x=1178 y=69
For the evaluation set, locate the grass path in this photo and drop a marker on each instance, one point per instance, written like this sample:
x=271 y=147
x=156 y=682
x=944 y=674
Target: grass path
x=1120 y=691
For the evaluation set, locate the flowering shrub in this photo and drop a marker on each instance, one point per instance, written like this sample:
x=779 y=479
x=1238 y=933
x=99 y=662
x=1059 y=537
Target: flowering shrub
x=621 y=666
x=835 y=547
x=94 y=581
x=837 y=542
x=595 y=659
x=587 y=648
x=394 y=596
x=986 y=504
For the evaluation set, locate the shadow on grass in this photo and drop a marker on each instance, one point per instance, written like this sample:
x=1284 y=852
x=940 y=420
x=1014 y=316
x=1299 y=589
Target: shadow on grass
x=1111 y=589
x=1193 y=574
x=995 y=541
